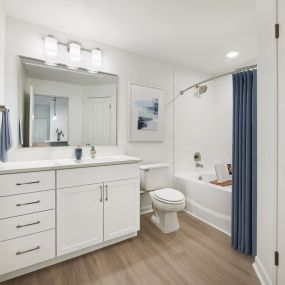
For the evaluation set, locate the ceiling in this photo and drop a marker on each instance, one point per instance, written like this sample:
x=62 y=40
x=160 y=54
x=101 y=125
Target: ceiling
x=188 y=33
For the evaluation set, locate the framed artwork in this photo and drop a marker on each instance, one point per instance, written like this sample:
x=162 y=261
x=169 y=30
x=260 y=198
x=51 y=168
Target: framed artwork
x=146 y=113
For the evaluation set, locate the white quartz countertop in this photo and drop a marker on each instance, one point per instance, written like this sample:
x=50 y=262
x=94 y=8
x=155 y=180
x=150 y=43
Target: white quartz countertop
x=57 y=164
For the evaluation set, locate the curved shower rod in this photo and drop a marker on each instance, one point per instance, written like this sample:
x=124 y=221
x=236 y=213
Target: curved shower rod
x=219 y=76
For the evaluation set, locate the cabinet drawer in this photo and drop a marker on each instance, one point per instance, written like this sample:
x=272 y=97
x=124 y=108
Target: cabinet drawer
x=25 y=251
x=93 y=175
x=20 y=183
x=26 y=224
x=11 y=206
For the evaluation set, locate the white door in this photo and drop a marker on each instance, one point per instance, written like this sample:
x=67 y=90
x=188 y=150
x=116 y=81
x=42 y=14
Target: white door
x=121 y=208
x=31 y=116
x=281 y=144
x=79 y=217
x=98 y=126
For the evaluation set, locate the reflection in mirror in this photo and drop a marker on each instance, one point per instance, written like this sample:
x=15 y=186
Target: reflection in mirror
x=63 y=107
x=50 y=124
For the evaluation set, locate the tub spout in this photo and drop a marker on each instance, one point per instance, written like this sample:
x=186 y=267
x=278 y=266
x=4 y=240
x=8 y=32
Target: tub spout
x=199 y=165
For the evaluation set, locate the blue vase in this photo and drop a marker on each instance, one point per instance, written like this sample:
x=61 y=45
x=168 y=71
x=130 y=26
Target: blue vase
x=78 y=153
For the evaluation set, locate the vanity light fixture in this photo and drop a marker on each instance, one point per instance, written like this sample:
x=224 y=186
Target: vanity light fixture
x=54 y=108
x=232 y=54
x=71 y=55
x=97 y=56
x=50 y=50
x=74 y=54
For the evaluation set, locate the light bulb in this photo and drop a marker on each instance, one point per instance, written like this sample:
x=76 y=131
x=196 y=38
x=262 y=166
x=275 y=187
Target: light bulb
x=97 y=56
x=50 y=50
x=75 y=52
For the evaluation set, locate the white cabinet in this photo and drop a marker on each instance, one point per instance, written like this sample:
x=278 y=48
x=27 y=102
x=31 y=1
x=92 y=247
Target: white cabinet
x=27 y=219
x=91 y=214
x=87 y=208
x=27 y=250
x=79 y=217
x=121 y=208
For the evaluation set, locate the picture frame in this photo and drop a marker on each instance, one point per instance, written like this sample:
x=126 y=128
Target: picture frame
x=146 y=117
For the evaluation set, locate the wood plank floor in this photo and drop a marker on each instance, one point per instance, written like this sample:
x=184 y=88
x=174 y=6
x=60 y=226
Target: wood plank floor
x=197 y=255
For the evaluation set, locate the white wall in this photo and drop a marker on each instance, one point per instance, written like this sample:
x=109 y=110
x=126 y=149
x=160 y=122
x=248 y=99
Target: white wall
x=202 y=123
x=2 y=52
x=25 y=39
x=267 y=140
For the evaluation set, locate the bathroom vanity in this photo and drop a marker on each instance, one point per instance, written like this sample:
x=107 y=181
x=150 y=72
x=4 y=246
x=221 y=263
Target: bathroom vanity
x=54 y=210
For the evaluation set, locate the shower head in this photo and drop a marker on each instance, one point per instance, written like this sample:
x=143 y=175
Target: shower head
x=201 y=89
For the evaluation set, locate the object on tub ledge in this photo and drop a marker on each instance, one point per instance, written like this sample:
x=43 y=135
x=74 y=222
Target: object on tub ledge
x=223 y=172
x=222 y=183
x=5 y=135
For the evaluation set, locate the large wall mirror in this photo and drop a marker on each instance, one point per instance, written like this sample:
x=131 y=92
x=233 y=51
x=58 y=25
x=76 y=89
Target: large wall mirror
x=64 y=107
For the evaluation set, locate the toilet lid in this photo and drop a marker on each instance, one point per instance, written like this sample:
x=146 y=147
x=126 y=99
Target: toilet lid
x=168 y=195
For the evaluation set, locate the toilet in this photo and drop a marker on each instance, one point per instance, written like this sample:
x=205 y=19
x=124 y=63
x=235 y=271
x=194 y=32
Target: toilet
x=166 y=202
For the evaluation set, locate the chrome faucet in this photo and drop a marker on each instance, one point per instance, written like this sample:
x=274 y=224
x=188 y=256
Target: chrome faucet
x=201 y=165
x=92 y=151
x=59 y=134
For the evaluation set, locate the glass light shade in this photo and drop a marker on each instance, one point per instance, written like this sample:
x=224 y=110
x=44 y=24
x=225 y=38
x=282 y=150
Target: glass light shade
x=50 y=46
x=97 y=57
x=75 y=52
x=232 y=54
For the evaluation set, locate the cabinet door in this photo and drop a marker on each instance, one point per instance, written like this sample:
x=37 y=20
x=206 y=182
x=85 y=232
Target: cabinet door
x=79 y=217
x=121 y=208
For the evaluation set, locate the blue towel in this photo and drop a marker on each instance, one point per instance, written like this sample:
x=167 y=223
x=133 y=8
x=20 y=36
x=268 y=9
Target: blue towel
x=5 y=136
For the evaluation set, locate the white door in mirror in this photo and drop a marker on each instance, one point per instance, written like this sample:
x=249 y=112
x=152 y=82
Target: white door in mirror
x=98 y=120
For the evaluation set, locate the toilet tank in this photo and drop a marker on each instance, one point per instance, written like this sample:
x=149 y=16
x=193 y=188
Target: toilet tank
x=154 y=176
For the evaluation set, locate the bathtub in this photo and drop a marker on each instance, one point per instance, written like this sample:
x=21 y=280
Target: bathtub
x=205 y=201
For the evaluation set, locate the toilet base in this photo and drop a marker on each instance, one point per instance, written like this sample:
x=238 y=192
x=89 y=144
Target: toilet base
x=167 y=222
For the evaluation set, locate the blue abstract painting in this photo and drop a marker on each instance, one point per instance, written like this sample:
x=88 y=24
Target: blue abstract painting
x=147 y=114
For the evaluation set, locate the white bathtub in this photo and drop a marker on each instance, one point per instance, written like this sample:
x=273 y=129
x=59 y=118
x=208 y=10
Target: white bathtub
x=206 y=201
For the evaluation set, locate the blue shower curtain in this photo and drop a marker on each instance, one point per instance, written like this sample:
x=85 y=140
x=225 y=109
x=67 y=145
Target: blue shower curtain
x=244 y=202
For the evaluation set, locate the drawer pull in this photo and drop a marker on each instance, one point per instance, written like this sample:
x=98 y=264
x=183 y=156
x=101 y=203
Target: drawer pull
x=27 y=225
x=28 y=183
x=28 y=250
x=29 y=203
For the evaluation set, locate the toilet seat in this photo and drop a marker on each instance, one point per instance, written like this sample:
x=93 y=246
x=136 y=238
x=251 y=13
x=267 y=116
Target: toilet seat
x=168 y=196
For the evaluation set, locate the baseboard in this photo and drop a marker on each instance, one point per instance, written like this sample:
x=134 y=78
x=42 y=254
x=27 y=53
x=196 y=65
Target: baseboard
x=261 y=272
x=206 y=222
x=145 y=210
